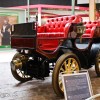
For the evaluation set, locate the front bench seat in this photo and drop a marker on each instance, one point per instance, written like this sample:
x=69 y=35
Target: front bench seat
x=55 y=30
x=90 y=29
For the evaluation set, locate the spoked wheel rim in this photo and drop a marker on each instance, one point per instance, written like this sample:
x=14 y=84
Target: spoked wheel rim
x=69 y=66
x=19 y=73
x=97 y=64
x=22 y=74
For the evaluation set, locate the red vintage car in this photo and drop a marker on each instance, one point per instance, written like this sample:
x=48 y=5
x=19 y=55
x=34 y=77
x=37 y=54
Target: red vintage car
x=65 y=42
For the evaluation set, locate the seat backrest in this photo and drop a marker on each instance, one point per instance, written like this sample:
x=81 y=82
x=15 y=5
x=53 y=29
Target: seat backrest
x=57 y=24
x=90 y=29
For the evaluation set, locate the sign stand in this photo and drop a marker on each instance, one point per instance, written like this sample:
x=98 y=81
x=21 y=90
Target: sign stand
x=93 y=97
x=77 y=86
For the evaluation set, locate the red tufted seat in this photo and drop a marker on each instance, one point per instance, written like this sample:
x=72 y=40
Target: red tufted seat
x=50 y=35
x=90 y=29
x=55 y=27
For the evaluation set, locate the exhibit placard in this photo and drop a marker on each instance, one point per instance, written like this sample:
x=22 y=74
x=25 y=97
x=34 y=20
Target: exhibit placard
x=77 y=86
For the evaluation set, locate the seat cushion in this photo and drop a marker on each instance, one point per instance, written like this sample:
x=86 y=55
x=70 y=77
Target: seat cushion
x=51 y=35
x=40 y=29
x=55 y=27
x=90 y=29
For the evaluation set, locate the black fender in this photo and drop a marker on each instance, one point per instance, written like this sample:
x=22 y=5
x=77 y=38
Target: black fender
x=82 y=58
x=95 y=49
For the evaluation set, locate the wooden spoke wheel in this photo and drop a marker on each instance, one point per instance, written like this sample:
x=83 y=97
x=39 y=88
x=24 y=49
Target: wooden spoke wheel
x=97 y=64
x=17 y=69
x=66 y=64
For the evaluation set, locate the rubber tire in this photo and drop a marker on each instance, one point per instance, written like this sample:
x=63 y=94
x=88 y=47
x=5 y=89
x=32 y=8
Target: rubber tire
x=97 y=69
x=14 y=73
x=55 y=74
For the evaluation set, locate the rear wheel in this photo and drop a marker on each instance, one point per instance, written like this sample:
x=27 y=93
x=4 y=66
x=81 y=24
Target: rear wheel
x=66 y=64
x=97 y=64
x=18 y=69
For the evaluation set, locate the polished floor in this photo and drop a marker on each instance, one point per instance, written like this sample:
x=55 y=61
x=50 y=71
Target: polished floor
x=11 y=89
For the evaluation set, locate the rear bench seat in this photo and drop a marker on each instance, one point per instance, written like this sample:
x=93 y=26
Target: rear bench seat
x=90 y=29
x=55 y=27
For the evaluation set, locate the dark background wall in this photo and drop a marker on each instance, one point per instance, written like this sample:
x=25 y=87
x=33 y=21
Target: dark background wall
x=11 y=3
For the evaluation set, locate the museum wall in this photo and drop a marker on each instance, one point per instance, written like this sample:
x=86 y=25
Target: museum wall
x=9 y=17
x=11 y=3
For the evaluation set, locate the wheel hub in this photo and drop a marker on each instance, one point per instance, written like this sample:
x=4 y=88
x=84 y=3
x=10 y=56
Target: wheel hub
x=17 y=63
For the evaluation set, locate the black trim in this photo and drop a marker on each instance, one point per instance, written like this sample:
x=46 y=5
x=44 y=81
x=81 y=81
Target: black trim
x=23 y=36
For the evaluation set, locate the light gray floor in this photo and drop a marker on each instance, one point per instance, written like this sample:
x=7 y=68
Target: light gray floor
x=6 y=55
x=10 y=89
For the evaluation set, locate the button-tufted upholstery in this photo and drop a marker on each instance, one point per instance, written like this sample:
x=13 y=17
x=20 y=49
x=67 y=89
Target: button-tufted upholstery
x=90 y=29
x=55 y=27
x=51 y=35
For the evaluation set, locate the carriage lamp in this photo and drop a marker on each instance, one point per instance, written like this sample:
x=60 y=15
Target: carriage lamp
x=80 y=30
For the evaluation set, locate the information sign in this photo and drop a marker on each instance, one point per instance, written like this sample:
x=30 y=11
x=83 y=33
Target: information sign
x=77 y=86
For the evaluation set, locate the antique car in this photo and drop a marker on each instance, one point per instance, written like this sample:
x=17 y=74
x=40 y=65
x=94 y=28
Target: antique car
x=66 y=43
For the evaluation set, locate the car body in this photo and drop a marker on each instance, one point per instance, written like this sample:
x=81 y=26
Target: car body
x=66 y=42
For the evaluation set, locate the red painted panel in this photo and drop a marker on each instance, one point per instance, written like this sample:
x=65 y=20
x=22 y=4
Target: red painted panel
x=48 y=44
x=23 y=42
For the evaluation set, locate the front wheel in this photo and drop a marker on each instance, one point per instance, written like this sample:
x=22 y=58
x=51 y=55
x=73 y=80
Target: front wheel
x=18 y=69
x=97 y=64
x=66 y=64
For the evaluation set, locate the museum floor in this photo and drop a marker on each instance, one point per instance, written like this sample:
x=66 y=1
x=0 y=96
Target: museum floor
x=11 y=89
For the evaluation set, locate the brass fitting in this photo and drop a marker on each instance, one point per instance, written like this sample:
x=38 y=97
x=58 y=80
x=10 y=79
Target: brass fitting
x=17 y=63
